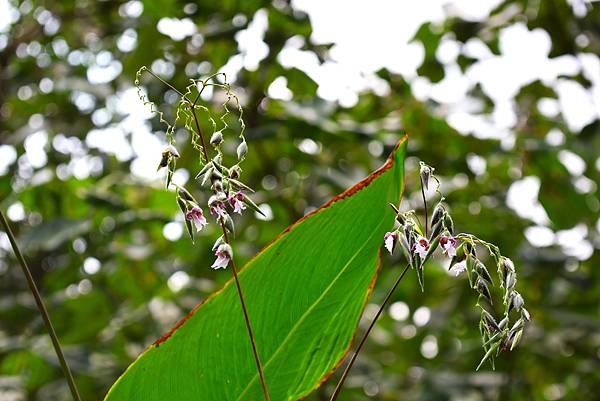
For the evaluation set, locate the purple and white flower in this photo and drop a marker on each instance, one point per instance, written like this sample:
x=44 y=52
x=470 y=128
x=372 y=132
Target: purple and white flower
x=448 y=244
x=390 y=239
x=459 y=267
x=196 y=216
x=224 y=254
x=236 y=202
x=421 y=246
x=216 y=207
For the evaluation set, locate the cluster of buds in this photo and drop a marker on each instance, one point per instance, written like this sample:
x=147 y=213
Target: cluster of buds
x=228 y=194
x=497 y=334
x=418 y=246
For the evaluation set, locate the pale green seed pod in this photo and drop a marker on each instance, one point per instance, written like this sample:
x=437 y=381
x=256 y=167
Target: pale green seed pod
x=438 y=213
x=242 y=150
x=425 y=174
x=235 y=172
x=216 y=139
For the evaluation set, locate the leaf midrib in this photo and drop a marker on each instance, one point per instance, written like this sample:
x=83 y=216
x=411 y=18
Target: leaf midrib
x=308 y=311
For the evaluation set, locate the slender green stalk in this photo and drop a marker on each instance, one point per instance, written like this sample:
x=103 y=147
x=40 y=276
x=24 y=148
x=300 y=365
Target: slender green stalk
x=340 y=383
x=234 y=271
x=261 y=374
x=425 y=205
x=42 y=308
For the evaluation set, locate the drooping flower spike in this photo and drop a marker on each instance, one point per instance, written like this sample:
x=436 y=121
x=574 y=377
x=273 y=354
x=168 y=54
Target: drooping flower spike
x=461 y=249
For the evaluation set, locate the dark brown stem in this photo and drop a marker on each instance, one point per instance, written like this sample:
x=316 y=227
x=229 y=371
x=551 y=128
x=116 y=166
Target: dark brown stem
x=261 y=374
x=425 y=205
x=263 y=382
x=340 y=383
x=42 y=309
x=197 y=123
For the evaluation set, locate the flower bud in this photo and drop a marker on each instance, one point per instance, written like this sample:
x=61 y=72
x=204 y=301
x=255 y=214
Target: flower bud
x=219 y=197
x=228 y=222
x=436 y=230
x=408 y=235
x=510 y=281
x=218 y=243
x=483 y=289
x=164 y=161
x=205 y=168
x=483 y=271
x=400 y=219
x=449 y=223
x=508 y=264
x=515 y=339
x=217 y=160
x=207 y=176
x=489 y=321
x=217 y=186
x=217 y=138
x=242 y=150
x=438 y=213
x=185 y=194
x=170 y=150
x=406 y=249
x=516 y=301
x=215 y=175
x=235 y=171
x=182 y=205
x=425 y=174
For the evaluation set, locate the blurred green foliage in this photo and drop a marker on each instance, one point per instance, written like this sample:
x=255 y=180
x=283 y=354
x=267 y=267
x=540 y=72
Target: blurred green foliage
x=95 y=237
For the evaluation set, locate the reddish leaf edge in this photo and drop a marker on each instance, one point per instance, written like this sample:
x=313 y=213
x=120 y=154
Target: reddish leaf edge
x=369 y=292
x=348 y=192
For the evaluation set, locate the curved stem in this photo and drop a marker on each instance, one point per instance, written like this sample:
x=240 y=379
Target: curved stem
x=42 y=309
x=425 y=206
x=205 y=152
x=234 y=271
x=340 y=383
x=163 y=81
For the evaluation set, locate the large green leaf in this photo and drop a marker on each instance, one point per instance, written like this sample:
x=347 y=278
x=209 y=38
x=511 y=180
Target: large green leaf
x=305 y=293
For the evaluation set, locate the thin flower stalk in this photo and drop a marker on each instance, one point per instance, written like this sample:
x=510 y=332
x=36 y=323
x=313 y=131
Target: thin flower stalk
x=340 y=383
x=42 y=309
x=418 y=247
x=225 y=187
